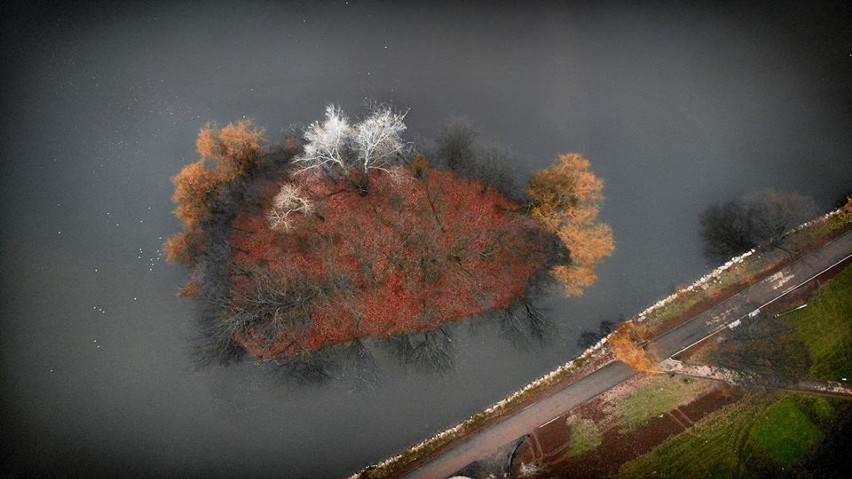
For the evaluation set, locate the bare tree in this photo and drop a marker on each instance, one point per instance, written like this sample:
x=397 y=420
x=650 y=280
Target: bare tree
x=495 y=168
x=289 y=200
x=214 y=342
x=460 y=148
x=456 y=146
x=337 y=146
x=732 y=228
x=774 y=214
x=767 y=350
x=310 y=367
x=725 y=231
x=434 y=353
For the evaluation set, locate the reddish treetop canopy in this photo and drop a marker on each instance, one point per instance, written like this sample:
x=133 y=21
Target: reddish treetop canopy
x=417 y=251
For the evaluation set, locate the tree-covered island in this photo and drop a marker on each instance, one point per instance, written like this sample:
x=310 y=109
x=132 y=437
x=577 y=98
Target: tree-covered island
x=347 y=232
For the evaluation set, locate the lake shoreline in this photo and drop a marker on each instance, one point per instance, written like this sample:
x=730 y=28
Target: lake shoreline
x=715 y=287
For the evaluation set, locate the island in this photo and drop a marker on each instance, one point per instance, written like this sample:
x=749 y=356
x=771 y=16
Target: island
x=346 y=232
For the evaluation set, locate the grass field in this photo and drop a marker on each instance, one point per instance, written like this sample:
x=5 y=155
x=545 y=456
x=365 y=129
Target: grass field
x=660 y=395
x=785 y=433
x=711 y=449
x=584 y=436
x=754 y=437
x=825 y=326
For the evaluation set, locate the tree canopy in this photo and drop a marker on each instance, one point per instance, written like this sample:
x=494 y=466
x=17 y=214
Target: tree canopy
x=232 y=149
x=565 y=199
x=353 y=150
x=734 y=227
x=224 y=155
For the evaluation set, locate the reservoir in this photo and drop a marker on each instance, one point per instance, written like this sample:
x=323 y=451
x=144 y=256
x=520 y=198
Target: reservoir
x=677 y=109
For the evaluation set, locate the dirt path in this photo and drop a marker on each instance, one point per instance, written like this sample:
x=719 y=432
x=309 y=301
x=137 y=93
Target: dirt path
x=826 y=388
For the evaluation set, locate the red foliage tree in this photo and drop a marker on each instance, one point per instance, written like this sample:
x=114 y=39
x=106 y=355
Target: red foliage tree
x=423 y=248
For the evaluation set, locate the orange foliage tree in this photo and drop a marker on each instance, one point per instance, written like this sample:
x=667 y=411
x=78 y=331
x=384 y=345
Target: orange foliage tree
x=627 y=342
x=196 y=188
x=233 y=149
x=565 y=199
x=231 y=152
x=185 y=246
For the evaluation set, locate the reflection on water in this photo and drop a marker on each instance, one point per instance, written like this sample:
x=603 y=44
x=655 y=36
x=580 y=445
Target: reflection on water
x=675 y=109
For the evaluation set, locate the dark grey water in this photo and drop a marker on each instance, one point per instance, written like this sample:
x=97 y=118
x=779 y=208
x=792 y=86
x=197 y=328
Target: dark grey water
x=677 y=108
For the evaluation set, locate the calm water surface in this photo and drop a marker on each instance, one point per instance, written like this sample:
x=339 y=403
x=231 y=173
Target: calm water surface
x=677 y=109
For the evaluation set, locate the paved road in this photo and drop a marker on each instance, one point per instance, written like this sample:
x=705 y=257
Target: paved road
x=483 y=443
x=754 y=297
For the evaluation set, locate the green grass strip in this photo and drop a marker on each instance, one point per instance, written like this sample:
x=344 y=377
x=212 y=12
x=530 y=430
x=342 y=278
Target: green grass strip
x=825 y=326
x=785 y=433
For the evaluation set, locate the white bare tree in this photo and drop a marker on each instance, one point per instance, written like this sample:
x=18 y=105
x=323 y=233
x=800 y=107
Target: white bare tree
x=374 y=143
x=328 y=144
x=289 y=200
x=377 y=139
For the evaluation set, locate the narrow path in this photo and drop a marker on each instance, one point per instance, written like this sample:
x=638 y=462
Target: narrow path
x=736 y=308
x=827 y=388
